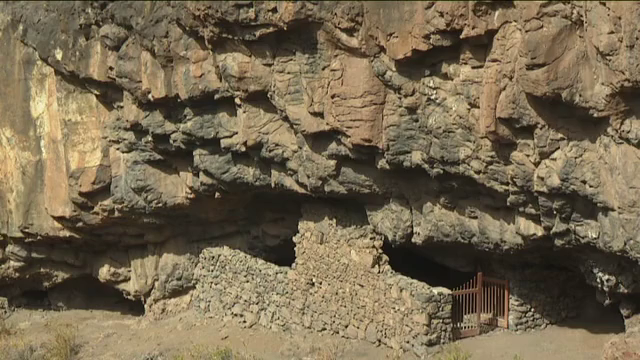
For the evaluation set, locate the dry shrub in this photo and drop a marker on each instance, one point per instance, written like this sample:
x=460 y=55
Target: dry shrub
x=331 y=351
x=18 y=349
x=14 y=345
x=5 y=329
x=453 y=352
x=327 y=350
x=64 y=345
x=395 y=355
x=201 y=352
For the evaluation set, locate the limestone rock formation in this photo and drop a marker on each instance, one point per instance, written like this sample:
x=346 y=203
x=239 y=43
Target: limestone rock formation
x=137 y=138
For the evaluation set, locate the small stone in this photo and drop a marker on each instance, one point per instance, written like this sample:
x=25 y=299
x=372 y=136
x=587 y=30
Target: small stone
x=112 y=36
x=237 y=309
x=422 y=319
x=250 y=319
x=371 y=334
x=352 y=332
x=627 y=308
x=17 y=252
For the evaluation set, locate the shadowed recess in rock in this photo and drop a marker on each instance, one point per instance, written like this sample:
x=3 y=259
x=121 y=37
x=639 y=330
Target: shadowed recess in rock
x=596 y=318
x=545 y=288
x=550 y=295
x=82 y=293
x=281 y=254
x=408 y=261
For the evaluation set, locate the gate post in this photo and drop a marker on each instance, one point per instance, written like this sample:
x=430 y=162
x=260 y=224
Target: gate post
x=506 y=304
x=479 y=300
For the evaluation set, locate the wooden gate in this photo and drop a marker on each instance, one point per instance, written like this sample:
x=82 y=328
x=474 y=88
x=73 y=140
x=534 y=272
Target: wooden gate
x=482 y=301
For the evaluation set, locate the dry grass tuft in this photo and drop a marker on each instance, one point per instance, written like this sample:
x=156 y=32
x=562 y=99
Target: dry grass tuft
x=13 y=347
x=395 y=355
x=201 y=352
x=331 y=351
x=5 y=330
x=64 y=345
x=453 y=352
x=18 y=349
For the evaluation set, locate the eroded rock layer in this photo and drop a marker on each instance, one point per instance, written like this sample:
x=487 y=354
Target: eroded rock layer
x=139 y=138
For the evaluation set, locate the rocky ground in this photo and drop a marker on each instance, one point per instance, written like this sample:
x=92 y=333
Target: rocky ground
x=110 y=335
x=107 y=335
x=581 y=338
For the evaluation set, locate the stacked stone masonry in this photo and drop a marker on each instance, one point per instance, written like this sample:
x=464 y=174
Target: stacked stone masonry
x=339 y=284
x=540 y=298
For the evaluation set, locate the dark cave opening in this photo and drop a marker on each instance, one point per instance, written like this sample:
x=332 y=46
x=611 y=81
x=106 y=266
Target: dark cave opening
x=543 y=291
x=552 y=289
x=31 y=299
x=271 y=226
x=410 y=262
x=281 y=254
x=548 y=290
x=596 y=318
x=88 y=293
x=80 y=293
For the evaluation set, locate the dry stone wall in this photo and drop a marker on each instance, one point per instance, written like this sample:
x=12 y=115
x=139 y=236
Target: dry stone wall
x=340 y=284
x=539 y=298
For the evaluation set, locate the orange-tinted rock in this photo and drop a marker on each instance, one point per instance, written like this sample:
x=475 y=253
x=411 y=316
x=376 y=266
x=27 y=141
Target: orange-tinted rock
x=355 y=100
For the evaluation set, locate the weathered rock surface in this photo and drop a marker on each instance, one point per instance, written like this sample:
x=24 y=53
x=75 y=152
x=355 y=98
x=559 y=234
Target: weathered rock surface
x=131 y=133
x=625 y=346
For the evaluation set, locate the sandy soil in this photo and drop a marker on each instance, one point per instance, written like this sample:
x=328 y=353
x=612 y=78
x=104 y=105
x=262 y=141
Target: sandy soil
x=579 y=339
x=553 y=343
x=111 y=335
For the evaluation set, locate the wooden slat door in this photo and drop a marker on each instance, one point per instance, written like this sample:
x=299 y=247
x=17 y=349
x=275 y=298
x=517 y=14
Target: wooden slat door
x=465 y=308
x=480 y=301
x=495 y=311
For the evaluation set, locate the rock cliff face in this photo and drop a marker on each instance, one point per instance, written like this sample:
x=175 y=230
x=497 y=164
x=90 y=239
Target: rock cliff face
x=134 y=135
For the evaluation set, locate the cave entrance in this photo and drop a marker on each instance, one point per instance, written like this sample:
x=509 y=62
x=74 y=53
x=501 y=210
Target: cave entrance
x=479 y=302
x=480 y=305
x=543 y=288
x=545 y=292
x=409 y=261
x=81 y=293
x=281 y=254
x=30 y=299
x=594 y=316
x=88 y=293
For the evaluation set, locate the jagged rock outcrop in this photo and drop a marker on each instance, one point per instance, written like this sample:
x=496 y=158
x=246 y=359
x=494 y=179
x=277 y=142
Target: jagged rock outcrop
x=625 y=346
x=131 y=132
